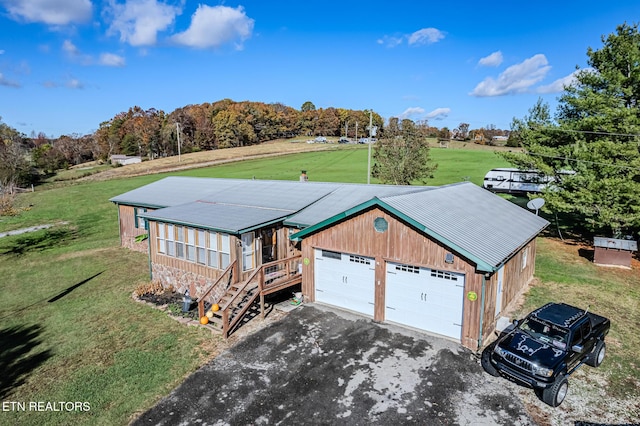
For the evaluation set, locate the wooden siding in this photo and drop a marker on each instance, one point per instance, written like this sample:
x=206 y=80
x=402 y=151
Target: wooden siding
x=614 y=257
x=128 y=230
x=515 y=282
x=402 y=244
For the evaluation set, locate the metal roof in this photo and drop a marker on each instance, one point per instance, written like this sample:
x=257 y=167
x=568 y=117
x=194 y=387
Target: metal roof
x=472 y=221
x=170 y=191
x=228 y=218
x=343 y=198
x=612 y=243
x=481 y=223
x=176 y=190
x=477 y=224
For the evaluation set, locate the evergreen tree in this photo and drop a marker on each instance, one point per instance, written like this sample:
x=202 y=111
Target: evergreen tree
x=596 y=134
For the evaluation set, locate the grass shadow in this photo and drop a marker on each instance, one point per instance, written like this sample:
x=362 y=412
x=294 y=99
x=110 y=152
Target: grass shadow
x=19 y=355
x=38 y=241
x=587 y=253
x=54 y=298
x=71 y=288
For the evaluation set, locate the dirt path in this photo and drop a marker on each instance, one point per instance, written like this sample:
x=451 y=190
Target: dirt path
x=29 y=229
x=207 y=159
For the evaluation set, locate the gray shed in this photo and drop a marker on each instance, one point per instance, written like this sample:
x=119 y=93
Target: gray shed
x=613 y=252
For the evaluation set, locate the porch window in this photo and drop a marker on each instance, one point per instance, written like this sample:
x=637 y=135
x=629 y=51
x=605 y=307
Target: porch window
x=201 y=247
x=140 y=222
x=225 y=251
x=180 y=242
x=191 y=244
x=170 y=241
x=161 y=237
x=248 y=251
x=212 y=250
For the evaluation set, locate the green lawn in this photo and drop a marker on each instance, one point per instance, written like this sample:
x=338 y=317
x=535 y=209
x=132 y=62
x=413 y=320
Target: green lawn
x=70 y=331
x=349 y=164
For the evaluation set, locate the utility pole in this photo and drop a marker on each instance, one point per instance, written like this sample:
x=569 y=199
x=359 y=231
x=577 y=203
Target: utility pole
x=369 y=155
x=178 y=134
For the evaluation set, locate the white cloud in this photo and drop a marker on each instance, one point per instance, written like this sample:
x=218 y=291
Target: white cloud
x=390 y=41
x=425 y=36
x=1 y=52
x=515 y=79
x=492 y=60
x=139 y=21
x=52 y=12
x=70 y=49
x=411 y=112
x=74 y=83
x=417 y=38
x=212 y=26
x=559 y=85
x=111 y=60
x=8 y=83
x=438 y=113
x=75 y=54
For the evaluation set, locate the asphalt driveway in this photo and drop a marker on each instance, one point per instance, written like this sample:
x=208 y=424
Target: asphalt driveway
x=323 y=366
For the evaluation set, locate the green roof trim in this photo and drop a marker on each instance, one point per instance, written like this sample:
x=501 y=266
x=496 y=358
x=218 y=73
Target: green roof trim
x=148 y=206
x=375 y=201
x=183 y=223
x=261 y=225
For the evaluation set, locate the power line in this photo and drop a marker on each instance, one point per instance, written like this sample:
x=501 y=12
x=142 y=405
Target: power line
x=592 y=132
x=580 y=161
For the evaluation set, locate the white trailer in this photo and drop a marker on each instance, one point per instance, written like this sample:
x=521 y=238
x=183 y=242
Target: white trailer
x=515 y=180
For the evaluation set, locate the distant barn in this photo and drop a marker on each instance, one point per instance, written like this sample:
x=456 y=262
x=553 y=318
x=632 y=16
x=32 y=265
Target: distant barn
x=125 y=159
x=613 y=252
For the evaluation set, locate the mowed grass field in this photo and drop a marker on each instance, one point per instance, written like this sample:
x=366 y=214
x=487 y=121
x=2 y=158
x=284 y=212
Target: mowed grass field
x=71 y=332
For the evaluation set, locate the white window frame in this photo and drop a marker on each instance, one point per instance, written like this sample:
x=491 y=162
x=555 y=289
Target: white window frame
x=160 y=237
x=213 y=256
x=170 y=241
x=207 y=248
x=525 y=255
x=201 y=247
x=248 y=251
x=180 y=239
x=225 y=250
x=190 y=245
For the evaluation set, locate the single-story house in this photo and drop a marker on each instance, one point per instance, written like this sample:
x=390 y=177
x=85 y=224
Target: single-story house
x=444 y=259
x=123 y=160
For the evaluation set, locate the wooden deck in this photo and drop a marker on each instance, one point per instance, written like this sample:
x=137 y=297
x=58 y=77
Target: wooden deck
x=266 y=279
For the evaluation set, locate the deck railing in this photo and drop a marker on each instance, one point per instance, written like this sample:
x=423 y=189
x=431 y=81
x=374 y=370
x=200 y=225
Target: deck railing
x=201 y=299
x=266 y=279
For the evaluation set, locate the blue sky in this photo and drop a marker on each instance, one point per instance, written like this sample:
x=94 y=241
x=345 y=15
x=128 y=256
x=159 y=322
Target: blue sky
x=68 y=65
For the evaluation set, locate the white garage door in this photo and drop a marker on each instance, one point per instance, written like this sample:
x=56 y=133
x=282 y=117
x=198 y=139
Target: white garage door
x=345 y=280
x=423 y=298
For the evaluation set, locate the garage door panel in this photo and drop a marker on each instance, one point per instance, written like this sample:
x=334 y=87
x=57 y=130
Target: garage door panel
x=423 y=298
x=345 y=280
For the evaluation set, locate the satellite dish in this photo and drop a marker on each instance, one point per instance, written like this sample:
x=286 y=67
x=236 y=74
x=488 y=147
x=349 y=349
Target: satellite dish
x=535 y=204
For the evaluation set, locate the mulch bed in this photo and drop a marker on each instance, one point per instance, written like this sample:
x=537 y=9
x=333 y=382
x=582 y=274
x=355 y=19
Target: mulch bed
x=171 y=302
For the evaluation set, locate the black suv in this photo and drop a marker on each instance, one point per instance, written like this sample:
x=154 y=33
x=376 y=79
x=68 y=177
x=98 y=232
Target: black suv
x=544 y=348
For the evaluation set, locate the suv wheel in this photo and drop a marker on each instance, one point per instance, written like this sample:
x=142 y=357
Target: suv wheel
x=555 y=394
x=485 y=360
x=596 y=356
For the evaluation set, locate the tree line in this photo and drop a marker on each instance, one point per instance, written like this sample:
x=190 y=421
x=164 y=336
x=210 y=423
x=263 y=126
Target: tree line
x=153 y=133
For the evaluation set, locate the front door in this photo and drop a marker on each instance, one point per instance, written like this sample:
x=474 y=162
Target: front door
x=269 y=245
